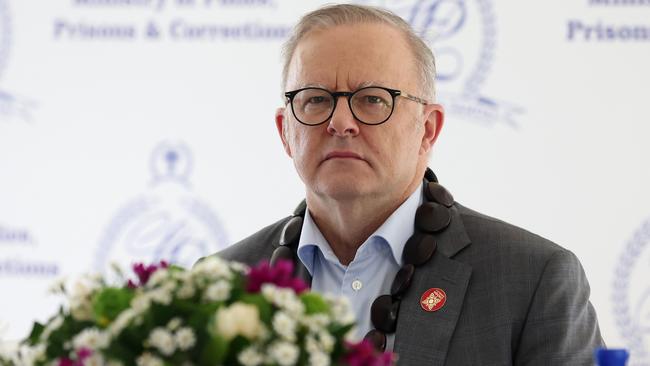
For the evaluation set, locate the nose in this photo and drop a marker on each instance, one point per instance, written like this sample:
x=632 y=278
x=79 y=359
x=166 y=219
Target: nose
x=342 y=123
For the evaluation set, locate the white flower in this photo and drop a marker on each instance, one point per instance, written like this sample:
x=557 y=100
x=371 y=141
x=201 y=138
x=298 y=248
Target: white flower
x=95 y=359
x=284 y=298
x=185 y=338
x=250 y=357
x=182 y=275
x=158 y=277
x=239 y=267
x=174 y=323
x=352 y=335
x=122 y=321
x=32 y=355
x=51 y=327
x=147 y=359
x=186 y=290
x=318 y=359
x=212 y=267
x=327 y=342
x=163 y=340
x=316 y=322
x=285 y=326
x=141 y=303
x=341 y=309
x=311 y=344
x=91 y=338
x=239 y=319
x=284 y=353
x=162 y=295
x=81 y=299
x=218 y=291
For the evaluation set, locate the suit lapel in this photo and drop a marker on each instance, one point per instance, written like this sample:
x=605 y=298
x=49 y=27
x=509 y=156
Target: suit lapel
x=422 y=338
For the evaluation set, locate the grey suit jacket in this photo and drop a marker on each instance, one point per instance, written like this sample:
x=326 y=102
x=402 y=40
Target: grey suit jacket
x=513 y=298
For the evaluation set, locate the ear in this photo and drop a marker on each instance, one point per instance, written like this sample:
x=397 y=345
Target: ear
x=434 y=118
x=280 y=125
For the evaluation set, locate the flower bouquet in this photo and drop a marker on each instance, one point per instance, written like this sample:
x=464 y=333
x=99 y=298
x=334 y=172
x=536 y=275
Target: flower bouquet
x=217 y=313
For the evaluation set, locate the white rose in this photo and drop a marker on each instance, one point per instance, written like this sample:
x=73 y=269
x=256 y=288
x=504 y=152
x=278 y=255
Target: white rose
x=239 y=319
x=284 y=353
x=163 y=340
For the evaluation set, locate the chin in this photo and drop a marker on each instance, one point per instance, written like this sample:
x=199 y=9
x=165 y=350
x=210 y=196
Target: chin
x=343 y=187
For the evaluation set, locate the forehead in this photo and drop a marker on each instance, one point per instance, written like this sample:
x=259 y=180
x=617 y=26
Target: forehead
x=347 y=57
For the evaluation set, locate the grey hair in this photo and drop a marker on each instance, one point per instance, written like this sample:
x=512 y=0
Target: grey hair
x=346 y=14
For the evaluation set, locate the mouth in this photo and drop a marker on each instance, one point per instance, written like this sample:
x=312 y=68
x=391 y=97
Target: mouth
x=342 y=155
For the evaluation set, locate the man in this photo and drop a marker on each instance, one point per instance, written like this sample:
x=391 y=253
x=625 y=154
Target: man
x=460 y=288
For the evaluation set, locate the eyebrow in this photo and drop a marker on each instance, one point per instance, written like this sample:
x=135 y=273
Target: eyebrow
x=358 y=86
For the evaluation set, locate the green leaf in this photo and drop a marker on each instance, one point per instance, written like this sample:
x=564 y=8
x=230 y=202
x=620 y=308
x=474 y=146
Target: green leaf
x=109 y=303
x=214 y=351
x=35 y=334
x=314 y=303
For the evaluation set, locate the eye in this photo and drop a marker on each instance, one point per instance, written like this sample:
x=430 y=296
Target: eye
x=316 y=99
x=373 y=99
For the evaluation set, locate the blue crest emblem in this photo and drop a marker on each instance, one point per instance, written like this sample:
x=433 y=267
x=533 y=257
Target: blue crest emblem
x=10 y=105
x=462 y=34
x=631 y=295
x=165 y=223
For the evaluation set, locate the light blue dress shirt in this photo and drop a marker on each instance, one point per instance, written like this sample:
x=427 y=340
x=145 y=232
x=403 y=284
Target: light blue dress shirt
x=373 y=268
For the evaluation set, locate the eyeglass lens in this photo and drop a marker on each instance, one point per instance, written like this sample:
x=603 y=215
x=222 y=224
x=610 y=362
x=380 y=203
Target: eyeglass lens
x=371 y=105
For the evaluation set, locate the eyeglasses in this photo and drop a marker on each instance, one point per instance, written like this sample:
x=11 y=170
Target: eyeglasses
x=371 y=105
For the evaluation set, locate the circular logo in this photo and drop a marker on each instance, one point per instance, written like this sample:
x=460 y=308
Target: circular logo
x=165 y=223
x=462 y=35
x=631 y=294
x=433 y=299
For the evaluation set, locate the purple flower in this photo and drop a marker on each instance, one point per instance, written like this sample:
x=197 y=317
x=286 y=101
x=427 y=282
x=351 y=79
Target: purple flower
x=281 y=275
x=144 y=273
x=66 y=362
x=364 y=354
x=83 y=354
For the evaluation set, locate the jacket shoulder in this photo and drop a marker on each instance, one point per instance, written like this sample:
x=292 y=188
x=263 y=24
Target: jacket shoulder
x=256 y=247
x=490 y=233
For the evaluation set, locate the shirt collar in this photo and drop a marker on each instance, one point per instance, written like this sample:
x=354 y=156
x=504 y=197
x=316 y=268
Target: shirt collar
x=396 y=230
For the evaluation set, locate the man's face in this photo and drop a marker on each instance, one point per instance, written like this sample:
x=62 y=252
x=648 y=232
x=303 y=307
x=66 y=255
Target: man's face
x=342 y=158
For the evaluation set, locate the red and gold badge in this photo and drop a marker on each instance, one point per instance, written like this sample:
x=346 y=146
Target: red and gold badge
x=433 y=299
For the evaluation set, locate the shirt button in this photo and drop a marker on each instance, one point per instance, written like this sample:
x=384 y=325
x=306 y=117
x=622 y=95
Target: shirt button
x=357 y=285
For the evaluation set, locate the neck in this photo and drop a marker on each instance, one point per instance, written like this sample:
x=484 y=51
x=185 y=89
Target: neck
x=347 y=224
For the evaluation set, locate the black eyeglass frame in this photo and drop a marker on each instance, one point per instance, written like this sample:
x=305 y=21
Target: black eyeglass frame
x=394 y=93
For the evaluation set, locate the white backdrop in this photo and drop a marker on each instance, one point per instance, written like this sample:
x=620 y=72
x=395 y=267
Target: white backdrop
x=143 y=129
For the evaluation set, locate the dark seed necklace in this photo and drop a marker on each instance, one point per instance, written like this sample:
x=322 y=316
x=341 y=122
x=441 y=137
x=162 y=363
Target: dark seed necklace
x=432 y=217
